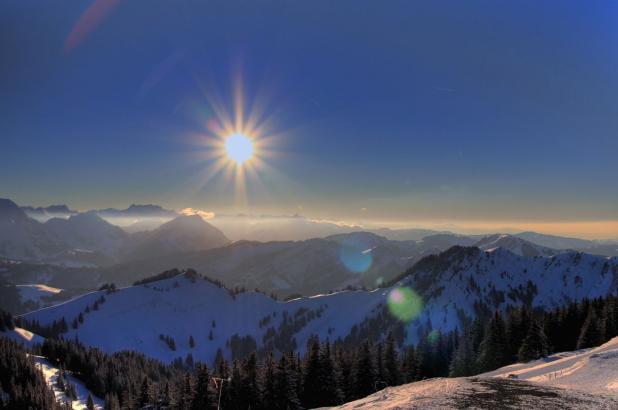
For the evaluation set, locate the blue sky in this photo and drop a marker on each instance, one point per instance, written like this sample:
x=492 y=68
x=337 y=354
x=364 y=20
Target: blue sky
x=400 y=111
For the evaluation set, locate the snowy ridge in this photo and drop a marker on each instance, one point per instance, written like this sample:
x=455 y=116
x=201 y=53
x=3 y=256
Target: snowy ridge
x=514 y=244
x=458 y=283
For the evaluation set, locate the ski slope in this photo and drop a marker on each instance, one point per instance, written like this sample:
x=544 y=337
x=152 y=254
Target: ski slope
x=592 y=370
x=50 y=372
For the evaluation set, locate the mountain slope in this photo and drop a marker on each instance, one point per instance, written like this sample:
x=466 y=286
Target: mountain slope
x=593 y=370
x=286 y=268
x=514 y=244
x=581 y=379
x=479 y=393
x=442 y=291
x=182 y=234
x=21 y=237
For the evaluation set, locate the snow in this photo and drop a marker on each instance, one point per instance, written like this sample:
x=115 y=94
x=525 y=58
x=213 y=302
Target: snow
x=592 y=370
x=134 y=317
x=23 y=336
x=35 y=292
x=583 y=379
x=50 y=372
x=479 y=393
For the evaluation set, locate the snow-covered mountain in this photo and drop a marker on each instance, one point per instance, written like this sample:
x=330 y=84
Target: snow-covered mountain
x=437 y=293
x=514 y=244
x=43 y=214
x=87 y=240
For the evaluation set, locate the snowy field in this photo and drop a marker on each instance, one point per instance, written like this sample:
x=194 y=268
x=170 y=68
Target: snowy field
x=35 y=292
x=51 y=375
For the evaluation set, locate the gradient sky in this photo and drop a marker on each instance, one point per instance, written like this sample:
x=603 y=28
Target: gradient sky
x=397 y=112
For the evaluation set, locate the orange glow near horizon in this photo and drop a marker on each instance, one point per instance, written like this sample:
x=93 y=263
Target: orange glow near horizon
x=602 y=230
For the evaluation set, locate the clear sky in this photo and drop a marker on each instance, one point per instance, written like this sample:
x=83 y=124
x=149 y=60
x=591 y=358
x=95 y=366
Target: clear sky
x=477 y=113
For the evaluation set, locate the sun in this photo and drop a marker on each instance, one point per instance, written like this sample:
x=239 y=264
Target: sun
x=239 y=148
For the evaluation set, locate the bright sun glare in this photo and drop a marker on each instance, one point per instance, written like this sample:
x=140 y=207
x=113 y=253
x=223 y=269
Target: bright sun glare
x=239 y=148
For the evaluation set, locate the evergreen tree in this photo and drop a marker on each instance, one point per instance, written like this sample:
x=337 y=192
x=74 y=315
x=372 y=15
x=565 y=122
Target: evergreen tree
x=111 y=402
x=90 y=402
x=494 y=348
x=268 y=380
x=311 y=388
x=363 y=372
x=201 y=399
x=250 y=388
x=145 y=393
x=463 y=362
x=286 y=397
x=391 y=360
x=590 y=335
x=535 y=345
x=410 y=370
x=328 y=393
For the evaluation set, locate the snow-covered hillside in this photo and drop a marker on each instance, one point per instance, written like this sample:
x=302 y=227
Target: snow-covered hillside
x=180 y=307
x=51 y=373
x=583 y=379
x=592 y=370
x=436 y=294
x=37 y=293
x=23 y=336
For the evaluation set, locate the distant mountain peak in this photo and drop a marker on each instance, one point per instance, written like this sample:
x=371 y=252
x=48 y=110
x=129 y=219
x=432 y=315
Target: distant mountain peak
x=8 y=205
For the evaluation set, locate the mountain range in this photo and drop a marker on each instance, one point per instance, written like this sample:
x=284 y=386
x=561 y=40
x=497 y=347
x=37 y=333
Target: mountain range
x=87 y=240
x=440 y=292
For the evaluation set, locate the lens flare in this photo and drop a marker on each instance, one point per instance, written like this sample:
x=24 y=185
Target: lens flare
x=404 y=304
x=355 y=259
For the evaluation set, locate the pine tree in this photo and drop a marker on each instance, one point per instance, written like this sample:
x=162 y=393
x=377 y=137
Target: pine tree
x=201 y=399
x=363 y=371
x=268 y=380
x=494 y=348
x=250 y=387
x=111 y=402
x=590 y=335
x=311 y=388
x=286 y=397
x=144 y=393
x=463 y=362
x=393 y=375
x=329 y=392
x=535 y=345
x=90 y=402
x=409 y=366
